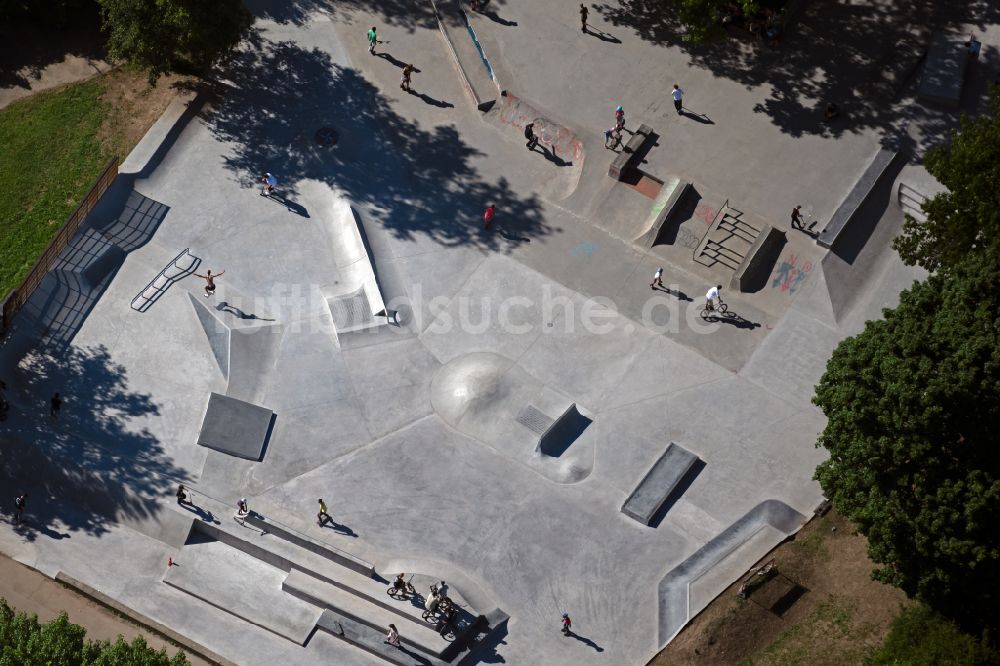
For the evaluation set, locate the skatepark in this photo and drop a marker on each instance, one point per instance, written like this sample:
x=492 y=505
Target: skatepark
x=510 y=409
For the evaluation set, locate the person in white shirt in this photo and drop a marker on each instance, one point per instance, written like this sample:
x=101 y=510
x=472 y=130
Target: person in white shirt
x=677 y=94
x=711 y=297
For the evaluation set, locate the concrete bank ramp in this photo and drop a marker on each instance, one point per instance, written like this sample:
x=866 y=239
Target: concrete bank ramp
x=559 y=175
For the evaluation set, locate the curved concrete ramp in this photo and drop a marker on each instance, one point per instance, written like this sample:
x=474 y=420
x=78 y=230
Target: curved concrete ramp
x=674 y=589
x=490 y=398
x=566 y=147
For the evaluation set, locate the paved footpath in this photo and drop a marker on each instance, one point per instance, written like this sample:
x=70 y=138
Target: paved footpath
x=32 y=592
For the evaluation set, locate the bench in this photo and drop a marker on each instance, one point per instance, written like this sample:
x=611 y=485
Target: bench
x=756 y=266
x=660 y=481
x=857 y=196
x=632 y=153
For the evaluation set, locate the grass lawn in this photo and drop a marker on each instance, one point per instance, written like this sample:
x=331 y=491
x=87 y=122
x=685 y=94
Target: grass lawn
x=55 y=144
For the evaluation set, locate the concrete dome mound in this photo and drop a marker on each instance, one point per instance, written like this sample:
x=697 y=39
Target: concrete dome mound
x=469 y=385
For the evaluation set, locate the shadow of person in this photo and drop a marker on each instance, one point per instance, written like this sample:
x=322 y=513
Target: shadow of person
x=680 y=295
x=603 y=36
x=586 y=641
x=296 y=208
x=343 y=529
x=390 y=58
x=492 y=15
x=233 y=310
x=552 y=157
x=441 y=104
x=700 y=117
x=735 y=320
x=512 y=236
x=203 y=514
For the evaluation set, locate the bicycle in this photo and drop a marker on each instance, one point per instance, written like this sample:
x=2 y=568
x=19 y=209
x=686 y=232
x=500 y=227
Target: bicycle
x=403 y=591
x=720 y=309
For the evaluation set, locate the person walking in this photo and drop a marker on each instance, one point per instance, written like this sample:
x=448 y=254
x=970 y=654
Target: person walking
x=269 y=181
x=323 y=517
x=657 y=279
x=529 y=134
x=404 y=81
x=677 y=95
x=797 y=218
x=392 y=636
x=210 y=281
x=182 y=497
x=372 y=39
x=242 y=509
x=55 y=404
x=19 y=504
x=583 y=18
x=619 y=118
x=489 y=214
x=567 y=624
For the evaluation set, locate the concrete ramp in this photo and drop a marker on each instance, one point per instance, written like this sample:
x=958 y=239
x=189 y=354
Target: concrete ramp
x=235 y=427
x=750 y=538
x=242 y=585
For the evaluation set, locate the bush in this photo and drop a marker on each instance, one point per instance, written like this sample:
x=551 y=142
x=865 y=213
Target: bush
x=24 y=641
x=920 y=637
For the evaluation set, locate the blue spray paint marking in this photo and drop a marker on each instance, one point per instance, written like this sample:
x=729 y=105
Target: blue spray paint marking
x=482 y=55
x=584 y=248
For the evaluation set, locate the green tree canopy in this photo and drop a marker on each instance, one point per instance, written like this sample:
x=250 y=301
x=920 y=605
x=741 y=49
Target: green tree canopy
x=964 y=220
x=161 y=35
x=24 y=641
x=913 y=408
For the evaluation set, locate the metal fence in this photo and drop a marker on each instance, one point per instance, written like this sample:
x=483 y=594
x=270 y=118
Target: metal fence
x=18 y=296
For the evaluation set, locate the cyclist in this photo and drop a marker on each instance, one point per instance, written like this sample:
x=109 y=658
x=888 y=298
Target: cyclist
x=399 y=584
x=712 y=296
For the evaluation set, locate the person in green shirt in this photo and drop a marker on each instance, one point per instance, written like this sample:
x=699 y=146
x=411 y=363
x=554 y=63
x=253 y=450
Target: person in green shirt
x=372 y=39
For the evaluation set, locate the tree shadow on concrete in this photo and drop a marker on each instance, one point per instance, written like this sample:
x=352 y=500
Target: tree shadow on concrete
x=861 y=56
x=415 y=182
x=395 y=14
x=92 y=465
x=29 y=46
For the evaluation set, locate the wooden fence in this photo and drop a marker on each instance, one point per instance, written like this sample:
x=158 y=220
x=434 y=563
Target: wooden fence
x=18 y=296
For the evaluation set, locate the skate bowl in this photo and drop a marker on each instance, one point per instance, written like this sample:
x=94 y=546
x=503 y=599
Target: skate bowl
x=566 y=148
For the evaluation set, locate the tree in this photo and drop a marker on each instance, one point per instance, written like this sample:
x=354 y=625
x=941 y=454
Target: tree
x=24 y=641
x=964 y=220
x=913 y=408
x=919 y=636
x=162 y=35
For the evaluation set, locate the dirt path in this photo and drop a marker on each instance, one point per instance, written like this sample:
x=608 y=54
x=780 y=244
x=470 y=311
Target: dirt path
x=836 y=615
x=27 y=590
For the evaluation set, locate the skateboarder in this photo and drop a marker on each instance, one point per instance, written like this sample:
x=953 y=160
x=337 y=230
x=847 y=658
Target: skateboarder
x=657 y=279
x=242 y=509
x=372 y=39
x=619 y=118
x=182 y=497
x=489 y=214
x=269 y=181
x=797 y=218
x=210 y=280
x=404 y=82
x=567 y=624
x=19 y=503
x=583 y=18
x=677 y=95
x=55 y=404
x=529 y=134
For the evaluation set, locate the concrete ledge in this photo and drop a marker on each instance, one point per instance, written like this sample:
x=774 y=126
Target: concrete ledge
x=759 y=260
x=856 y=197
x=658 y=483
x=630 y=153
x=160 y=136
x=476 y=80
x=312 y=545
x=674 y=588
x=372 y=640
x=143 y=621
x=670 y=196
x=944 y=72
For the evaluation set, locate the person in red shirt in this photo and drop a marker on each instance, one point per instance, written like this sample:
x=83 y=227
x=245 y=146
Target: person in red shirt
x=490 y=213
x=567 y=624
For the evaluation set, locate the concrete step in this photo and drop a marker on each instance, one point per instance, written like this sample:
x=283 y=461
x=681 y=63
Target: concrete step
x=373 y=641
x=243 y=586
x=418 y=632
